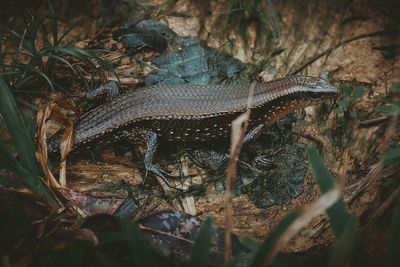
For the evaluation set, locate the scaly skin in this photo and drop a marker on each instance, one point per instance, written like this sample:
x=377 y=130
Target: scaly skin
x=191 y=112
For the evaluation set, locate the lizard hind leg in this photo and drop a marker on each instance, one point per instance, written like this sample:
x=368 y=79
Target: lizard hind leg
x=148 y=139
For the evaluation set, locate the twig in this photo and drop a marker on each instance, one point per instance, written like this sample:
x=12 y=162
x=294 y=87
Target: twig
x=374 y=175
x=327 y=51
x=239 y=128
x=312 y=138
x=373 y=122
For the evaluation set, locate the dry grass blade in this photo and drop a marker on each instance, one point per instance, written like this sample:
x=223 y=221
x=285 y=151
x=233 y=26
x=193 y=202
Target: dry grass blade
x=52 y=110
x=239 y=128
x=311 y=211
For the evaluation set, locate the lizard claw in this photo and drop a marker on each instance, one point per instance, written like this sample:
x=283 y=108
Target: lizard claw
x=157 y=170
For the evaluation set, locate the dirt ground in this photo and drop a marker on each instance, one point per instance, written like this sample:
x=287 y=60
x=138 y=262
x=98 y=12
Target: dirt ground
x=308 y=28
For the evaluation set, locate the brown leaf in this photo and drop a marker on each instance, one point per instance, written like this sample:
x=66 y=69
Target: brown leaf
x=90 y=203
x=53 y=111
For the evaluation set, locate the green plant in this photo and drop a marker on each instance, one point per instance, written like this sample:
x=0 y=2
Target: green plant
x=44 y=57
x=242 y=11
x=21 y=129
x=392 y=157
x=346 y=114
x=347 y=99
x=136 y=250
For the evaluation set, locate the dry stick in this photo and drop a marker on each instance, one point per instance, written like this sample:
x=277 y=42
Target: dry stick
x=239 y=128
x=381 y=209
x=373 y=122
x=366 y=35
x=374 y=175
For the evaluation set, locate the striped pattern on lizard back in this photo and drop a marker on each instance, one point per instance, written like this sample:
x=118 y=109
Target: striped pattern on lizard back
x=185 y=102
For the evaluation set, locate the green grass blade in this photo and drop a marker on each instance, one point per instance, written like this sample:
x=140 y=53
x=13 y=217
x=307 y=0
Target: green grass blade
x=275 y=18
x=46 y=41
x=2 y=53
x=33 y=69
x=320 y=172
x=392 y=157
x=63 y=60
x=107 y=65
x=16 y=53
x=10 y=73
x=23 y=144
x=141 y=253
x=30 y=125
x=390 y=100
x=234 y=261
x=199 y=255
x=67 y=31
x=25 y=103
x=393 y=256
x=340 y=255
x=25 y=44
x=68 y=44
x=21 y=82
x=249 y=243
x=19 y=219
x=9 y=163
x=26 y=168
x=50 y=7
x=106 y=260
x=10 y=182
x=53 y=25
x=268 y=243
x=73 y=51
x=338 y=214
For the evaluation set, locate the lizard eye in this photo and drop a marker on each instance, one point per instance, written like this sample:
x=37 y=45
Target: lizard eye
x=315 y=96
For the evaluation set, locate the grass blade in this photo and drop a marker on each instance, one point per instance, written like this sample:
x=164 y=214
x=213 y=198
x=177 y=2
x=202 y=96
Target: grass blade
x=393 y=255
x=104 y=63
x=199 y=255
x=23 y=144
x=234 y=261
x=26 y=168
x=266 y=246
x=9 y=163
x=76 y=52
x=63 y=60
x=392 y=157
x=25 y=44
x=10 y=73
x=29 y=67
x=142 y=255
x=26 y=103
x=66 y=32
x=338 y=214
x=9 y=182
x=251 y=244
x=342 y=252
